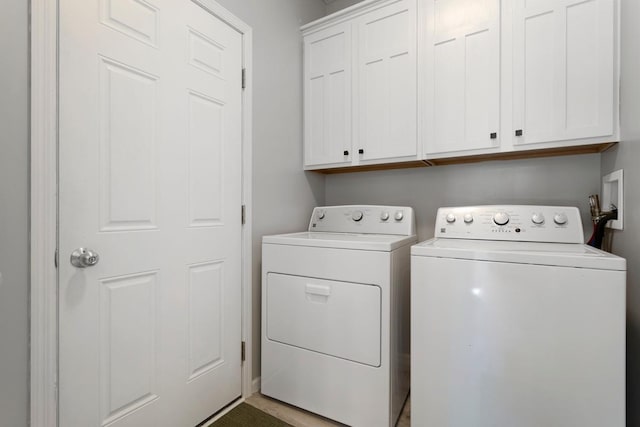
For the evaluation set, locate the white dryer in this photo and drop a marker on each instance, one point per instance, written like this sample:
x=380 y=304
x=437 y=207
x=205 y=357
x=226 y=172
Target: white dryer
x=515 y=322
x=335 y=314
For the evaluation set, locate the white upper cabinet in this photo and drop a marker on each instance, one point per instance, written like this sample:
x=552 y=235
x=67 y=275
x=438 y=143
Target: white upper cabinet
x=386 y=98
x=360 y=86
x=327 y=97
x=564 y=71
x=462 y=72
x=442 y=81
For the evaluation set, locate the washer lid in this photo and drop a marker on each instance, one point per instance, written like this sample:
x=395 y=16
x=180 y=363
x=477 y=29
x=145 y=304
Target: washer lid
x=364 y=242
x=552 y=254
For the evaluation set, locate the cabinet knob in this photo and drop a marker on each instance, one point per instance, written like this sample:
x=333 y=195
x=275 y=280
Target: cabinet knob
x=519 y=132
x=361 y=151
x=493 y=135
x=345 y=152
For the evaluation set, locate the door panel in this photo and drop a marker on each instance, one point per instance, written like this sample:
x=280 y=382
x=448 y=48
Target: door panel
x=128 y=140
x=463 y=75
x=128 y=344
x=150 y=178
x=563 y=69
x=206 y=312
x=386 y=100
x=339 y=319
x=327 y=81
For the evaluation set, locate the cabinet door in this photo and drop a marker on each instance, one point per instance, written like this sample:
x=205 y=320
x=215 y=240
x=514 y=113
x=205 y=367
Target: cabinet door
x=327 y=96
x=386 y=111
x=463 y=75
x=563 y=70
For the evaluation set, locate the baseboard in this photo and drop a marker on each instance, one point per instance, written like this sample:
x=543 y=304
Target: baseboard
x=255 y=385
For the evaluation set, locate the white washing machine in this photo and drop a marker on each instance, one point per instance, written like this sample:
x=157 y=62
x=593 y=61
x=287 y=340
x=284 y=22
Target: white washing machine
x=335 y=314
x=515 y=322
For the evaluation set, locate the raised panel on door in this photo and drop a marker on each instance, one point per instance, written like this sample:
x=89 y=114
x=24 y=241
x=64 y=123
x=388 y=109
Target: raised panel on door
x=327 y=97
x=386 y=112
x=128 y=344
x=463 y=75
x=564 y=70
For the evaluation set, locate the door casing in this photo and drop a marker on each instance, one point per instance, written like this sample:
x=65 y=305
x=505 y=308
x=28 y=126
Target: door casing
x=44 y=206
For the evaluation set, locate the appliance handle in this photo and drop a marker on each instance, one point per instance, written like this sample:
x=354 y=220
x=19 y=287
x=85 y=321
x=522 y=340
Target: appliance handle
x=321 y=290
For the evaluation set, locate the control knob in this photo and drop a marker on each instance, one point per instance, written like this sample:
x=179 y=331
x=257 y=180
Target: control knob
x=451 y=218
x=399 y=215
x=384 y=216
x=501 y=218
x=356 y=216
x=321 y=214
x=560 y=219
x=468 y=218
x=537 y=218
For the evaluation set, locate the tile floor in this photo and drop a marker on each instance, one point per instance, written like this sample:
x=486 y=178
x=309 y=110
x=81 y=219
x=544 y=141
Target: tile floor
x=300 y=418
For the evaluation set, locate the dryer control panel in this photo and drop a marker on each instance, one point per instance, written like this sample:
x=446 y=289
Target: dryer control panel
x=364 y=219
x=556 y=224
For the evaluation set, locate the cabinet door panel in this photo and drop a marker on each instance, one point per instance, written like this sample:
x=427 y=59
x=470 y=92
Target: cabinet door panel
x=447 y=100
x=463 y=75
x=542 y=91
x=386 y=99
x=563 y=69
x=583 y=85
x=328 y=96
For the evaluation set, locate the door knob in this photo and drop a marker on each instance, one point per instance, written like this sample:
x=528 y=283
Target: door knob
x=83 y=258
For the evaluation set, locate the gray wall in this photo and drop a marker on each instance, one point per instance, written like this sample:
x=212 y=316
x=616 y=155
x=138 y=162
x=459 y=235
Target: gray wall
x=14 y=356
x=283 y=195
x=340 y=4
x=555 y=180
x=626 y=156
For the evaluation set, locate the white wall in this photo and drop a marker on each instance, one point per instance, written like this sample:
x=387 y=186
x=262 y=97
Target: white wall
x=14 y=356
x=555 y=180
x=283 y=195
x=626 y=156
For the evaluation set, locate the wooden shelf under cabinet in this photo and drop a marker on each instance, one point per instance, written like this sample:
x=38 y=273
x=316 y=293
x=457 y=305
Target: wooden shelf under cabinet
x=512 y=155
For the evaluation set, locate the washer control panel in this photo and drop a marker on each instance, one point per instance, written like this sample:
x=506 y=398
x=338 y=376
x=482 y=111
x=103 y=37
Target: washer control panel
x=365 y=219
x=557 y=224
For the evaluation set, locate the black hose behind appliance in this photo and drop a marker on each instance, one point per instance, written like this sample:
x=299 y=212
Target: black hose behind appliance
x=600 y=219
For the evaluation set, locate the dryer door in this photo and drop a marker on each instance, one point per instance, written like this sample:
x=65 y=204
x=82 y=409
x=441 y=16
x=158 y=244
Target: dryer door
x=340 y=319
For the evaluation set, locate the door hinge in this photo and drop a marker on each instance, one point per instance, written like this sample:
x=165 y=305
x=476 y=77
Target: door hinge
x=244 y=78
x=243 y=355
x=243 y=214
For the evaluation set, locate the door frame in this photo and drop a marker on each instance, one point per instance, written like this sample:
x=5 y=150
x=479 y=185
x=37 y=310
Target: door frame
x=44 y=205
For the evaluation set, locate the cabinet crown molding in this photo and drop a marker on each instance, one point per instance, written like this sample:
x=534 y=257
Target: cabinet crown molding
x=344 y=15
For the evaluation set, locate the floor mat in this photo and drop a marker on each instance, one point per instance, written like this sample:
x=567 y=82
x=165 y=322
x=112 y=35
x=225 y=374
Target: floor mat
x=245 y=415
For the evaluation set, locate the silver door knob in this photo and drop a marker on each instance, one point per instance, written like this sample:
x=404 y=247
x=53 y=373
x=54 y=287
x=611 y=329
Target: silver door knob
x=83 y=258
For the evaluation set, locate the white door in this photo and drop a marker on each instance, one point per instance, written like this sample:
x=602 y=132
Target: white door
x=150 y=179
x=386 y=106
x=327 y=98
x=463 y=75
x=563 y=69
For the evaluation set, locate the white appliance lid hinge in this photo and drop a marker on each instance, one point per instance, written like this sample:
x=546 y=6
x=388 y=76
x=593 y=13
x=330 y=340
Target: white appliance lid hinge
x=244 y=78
x=243 y=214
x=242 y=352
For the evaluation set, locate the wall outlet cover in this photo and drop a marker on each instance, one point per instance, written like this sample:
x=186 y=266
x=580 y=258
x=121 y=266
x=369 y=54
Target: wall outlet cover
x=613 y=193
